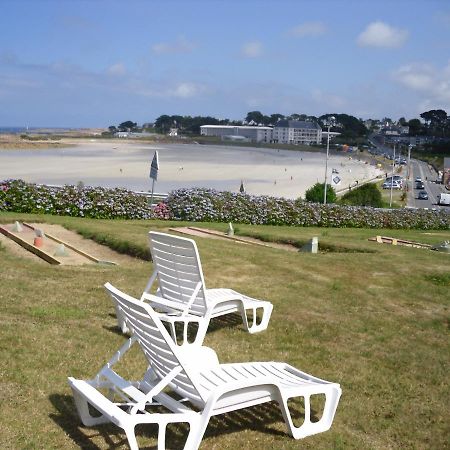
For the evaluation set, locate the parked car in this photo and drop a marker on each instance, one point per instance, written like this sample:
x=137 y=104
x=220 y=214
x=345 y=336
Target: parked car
x=420 y=185
x=423 y=195
x=393 y=185
x=396 y=178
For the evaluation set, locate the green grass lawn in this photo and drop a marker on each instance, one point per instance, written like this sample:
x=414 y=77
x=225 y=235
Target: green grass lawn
x=373 y=317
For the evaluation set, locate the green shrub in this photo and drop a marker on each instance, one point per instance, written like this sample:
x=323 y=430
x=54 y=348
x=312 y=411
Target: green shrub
x=315 y=193
x=365 y=195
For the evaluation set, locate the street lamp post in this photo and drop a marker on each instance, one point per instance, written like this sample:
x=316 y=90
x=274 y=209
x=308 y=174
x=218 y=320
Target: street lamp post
x=409 y=162
x=392 y=179
x=330 y=122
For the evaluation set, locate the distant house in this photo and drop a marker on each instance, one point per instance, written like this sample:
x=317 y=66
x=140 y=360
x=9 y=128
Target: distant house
x=297 y=132
x=391 y=131
x=252 y=134
x=372 y=124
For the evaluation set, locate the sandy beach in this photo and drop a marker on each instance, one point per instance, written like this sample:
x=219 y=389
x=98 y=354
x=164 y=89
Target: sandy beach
x=280 y=173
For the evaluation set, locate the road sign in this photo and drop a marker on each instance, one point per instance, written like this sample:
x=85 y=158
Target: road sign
x=336 y=180
x=154 y=167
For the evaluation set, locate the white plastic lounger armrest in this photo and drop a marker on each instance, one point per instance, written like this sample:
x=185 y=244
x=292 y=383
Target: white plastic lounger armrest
x=151 y=281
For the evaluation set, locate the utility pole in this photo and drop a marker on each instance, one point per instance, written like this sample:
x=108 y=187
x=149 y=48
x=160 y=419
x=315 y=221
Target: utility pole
x=409 y=162
x=392 y=179
x=330 y=121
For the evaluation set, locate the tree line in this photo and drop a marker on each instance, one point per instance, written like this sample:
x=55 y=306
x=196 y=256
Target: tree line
x=345 y=124
x=434 y=122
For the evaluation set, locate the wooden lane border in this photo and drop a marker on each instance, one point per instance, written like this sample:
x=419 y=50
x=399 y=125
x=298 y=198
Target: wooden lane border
x=223 y=236
x=395 y=241
x=53 y=238
x=37 y=251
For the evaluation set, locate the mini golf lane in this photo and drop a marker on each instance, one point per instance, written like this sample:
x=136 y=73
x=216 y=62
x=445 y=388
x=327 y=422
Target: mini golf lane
x=48 y=247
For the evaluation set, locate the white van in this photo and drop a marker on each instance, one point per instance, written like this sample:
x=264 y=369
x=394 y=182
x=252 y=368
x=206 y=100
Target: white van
x=444 y=199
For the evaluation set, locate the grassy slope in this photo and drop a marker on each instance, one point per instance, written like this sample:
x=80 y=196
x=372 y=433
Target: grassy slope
x=376 y=322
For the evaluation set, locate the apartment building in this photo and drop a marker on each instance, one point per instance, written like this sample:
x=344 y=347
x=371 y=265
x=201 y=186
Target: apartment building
x=297 y=132
x=253 y=134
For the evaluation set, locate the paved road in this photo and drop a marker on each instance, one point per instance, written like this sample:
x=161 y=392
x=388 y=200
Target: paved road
x=420 y=169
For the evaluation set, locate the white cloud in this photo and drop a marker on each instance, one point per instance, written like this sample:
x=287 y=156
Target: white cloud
x=181 y=45
x=432 y=84
x=308 y=29
x=380 y=34
x=158 y=89
x=416 y=77
x=252 y=49
x=185 y=90
x=117 y=69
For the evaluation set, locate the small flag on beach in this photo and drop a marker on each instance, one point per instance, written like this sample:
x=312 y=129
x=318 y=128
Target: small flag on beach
x=154 y=167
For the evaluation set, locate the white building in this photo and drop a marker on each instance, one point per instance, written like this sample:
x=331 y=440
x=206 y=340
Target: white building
x=253 y=134
x=297 y=132
x=333 y=134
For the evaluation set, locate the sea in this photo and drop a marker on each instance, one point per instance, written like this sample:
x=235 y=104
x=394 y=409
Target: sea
x=35 y=130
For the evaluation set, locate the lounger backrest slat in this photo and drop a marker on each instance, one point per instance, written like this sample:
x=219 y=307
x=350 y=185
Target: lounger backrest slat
x=177 y=263
x=157 y=345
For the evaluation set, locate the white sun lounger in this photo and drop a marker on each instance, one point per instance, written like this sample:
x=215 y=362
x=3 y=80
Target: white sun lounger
x=194 y=373
x=181 y=286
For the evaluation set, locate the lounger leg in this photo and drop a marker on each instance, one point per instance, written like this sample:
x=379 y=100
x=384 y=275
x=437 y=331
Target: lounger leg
x=254 y=327
x=83 y=411
x=308 y=428
x=121 y=322
x=131 y=436
x=196 y=432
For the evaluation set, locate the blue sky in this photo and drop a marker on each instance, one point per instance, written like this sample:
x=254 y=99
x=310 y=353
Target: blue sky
x=97 y=63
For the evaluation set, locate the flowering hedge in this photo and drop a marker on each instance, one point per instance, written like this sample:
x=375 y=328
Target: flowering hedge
x=95 y=202
x=207 y=205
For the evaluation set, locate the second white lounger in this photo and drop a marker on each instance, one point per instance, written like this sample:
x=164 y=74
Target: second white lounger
x=181 y=286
